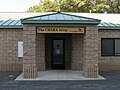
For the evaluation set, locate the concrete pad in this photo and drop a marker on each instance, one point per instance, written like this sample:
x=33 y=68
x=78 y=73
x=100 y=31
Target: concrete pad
x=54 y=75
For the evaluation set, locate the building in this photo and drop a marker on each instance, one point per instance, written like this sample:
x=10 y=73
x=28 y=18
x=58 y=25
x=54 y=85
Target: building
x=32 y=42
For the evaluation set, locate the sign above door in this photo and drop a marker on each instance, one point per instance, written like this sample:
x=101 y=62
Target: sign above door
x=60 y=30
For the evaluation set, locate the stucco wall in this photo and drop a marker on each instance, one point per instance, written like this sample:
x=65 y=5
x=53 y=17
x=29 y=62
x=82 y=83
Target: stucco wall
x=9 y=60
x=107 y=63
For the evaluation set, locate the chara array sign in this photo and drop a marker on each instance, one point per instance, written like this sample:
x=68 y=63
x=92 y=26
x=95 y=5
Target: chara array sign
x=60 y=30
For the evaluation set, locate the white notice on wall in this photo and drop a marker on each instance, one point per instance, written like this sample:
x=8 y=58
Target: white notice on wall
x=20 y=49
x=58 y=51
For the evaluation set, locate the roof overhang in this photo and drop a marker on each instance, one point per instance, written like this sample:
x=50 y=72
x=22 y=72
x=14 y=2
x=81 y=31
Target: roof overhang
x=53 y=19
x=12 y=26
x=60 y=22
x=108 y=28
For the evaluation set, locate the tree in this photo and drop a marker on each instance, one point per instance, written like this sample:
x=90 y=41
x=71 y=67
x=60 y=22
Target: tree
x=96 y=6
x=113 y=6
x=44 y=6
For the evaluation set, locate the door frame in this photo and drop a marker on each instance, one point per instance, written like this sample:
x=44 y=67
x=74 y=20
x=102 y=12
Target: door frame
x=63 y=65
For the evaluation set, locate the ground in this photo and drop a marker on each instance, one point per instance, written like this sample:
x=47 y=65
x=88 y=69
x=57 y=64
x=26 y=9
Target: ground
x=7 y=82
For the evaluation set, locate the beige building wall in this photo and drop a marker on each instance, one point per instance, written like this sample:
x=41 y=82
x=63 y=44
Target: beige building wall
x=9 y=60
x=77 y=52
x=108 y=63
x=40 y=52
x=90 y=52
x=29 y=58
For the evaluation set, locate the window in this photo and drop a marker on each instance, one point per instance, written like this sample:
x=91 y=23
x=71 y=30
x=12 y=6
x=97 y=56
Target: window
x=110 y=47
x=117 y=46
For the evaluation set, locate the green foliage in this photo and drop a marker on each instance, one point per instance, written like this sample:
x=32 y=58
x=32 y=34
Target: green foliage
x=95 y=6
x=44 y=6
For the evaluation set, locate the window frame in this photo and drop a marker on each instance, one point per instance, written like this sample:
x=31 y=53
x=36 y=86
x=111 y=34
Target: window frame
x=113 y=46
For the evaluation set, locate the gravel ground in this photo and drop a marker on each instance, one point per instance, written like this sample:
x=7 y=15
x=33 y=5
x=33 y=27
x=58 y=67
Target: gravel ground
x=7 y=82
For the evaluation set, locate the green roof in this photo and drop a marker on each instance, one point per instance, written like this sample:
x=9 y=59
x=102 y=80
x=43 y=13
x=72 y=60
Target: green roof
x=13 y=20
x=60 y=18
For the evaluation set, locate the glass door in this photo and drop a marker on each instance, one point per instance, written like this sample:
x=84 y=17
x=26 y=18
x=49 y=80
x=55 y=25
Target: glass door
x=58 y=54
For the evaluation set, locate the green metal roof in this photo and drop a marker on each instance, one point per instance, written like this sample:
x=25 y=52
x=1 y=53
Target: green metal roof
x=105 y=25
x=108 y=21
x=60 y=18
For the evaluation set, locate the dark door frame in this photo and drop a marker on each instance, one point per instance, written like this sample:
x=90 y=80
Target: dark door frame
x=58 y=66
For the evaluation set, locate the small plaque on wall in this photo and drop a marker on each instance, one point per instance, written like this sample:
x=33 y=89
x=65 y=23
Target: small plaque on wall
x=20 y=49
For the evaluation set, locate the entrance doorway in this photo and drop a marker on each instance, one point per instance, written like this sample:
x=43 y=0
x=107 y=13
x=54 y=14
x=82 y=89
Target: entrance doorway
x=58 y=54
